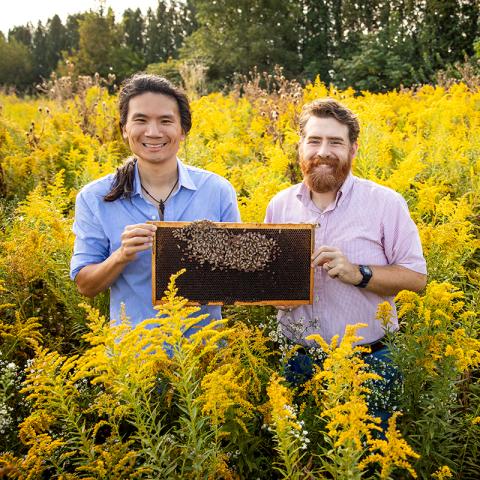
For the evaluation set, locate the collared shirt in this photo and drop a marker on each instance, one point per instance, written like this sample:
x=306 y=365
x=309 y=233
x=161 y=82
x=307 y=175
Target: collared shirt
x=99 y=224
x=371 y=225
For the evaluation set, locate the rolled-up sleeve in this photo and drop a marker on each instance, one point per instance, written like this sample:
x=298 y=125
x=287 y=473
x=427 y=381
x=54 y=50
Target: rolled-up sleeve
x=401 y=239
x=91 y=243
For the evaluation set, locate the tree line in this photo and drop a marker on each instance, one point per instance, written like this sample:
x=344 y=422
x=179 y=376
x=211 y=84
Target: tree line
x=372 y=45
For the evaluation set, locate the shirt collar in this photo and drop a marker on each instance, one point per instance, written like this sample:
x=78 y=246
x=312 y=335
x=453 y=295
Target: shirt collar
x=345 y=189
x=184 y=179
x=137 y=186
x=303 y=192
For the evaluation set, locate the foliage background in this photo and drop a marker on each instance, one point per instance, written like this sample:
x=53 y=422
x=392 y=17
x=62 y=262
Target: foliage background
x=373 y=45
x=80 y=399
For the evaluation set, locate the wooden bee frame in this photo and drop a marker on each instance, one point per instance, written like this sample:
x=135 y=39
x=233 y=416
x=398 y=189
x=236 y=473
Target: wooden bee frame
x=287 y=279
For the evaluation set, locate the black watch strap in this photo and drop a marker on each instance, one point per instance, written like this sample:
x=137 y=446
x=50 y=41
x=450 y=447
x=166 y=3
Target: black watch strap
x=366 y=272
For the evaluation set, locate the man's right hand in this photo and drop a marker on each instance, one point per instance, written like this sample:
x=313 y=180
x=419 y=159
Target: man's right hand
x=97 y=277
x=136 y=238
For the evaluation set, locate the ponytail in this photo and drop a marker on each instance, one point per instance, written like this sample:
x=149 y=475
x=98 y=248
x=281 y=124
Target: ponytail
x=123 y=183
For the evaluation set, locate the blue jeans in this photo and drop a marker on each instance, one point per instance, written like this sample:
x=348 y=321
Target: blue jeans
x=382 y=400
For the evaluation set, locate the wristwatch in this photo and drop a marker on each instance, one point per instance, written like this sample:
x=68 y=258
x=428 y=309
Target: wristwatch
x=366 y=272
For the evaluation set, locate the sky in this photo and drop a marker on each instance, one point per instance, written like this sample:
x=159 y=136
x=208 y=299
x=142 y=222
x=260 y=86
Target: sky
x=20 y=12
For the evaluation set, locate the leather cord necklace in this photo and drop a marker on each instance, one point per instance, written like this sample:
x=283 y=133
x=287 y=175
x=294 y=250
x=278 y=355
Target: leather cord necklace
x=161 y=203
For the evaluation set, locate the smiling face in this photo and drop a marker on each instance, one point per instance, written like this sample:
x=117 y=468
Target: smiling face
x=153 y=128
x=325 y=154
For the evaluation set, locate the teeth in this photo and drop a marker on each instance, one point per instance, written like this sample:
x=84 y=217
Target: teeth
x=154 y=144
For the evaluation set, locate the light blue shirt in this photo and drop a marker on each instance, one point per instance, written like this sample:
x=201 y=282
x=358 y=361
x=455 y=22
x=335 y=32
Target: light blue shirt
x=99 y=224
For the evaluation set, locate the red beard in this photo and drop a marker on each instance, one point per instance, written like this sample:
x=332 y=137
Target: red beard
x=320 y=181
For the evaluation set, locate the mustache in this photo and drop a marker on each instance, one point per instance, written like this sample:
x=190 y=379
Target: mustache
x=316 y=161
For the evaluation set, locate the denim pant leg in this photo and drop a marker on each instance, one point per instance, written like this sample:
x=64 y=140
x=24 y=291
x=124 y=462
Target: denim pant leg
x=299 y=369
x=383 y=398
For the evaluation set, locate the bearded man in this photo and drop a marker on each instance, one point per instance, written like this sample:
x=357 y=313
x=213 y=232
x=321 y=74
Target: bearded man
x=367 y=248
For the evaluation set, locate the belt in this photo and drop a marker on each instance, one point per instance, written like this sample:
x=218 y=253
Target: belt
x=374 y=347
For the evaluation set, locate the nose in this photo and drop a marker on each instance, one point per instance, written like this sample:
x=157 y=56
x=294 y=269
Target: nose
x=323 y=150
x=153 y=130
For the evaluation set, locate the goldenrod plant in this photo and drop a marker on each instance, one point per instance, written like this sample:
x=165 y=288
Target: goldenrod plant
x=339 y=387
x=437 y=354
x=290 y=435
x=82 y=397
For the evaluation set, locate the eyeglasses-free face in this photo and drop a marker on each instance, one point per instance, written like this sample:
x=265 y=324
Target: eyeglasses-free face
x=153 y=129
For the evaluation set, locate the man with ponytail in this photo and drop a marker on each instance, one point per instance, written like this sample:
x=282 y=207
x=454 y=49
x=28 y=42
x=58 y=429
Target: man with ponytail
x=113 y=240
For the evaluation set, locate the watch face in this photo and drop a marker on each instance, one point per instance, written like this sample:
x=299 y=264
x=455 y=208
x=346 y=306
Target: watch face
x=366 y=271
x=367 y=275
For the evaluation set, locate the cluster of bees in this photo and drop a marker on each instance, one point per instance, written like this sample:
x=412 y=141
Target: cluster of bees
x=225 y=250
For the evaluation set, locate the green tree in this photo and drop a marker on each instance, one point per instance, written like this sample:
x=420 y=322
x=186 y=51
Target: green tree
x=15 y=64
x=375 y=66
x=402 y=42
x=41 y=68
x=22 y=34
x=133 y=29
x=56 y=42
x=72 y=32
x=98 y=39
x=447 y=31
x=101 y=49
x=235 y=35
x=316 y=39
x=159 y=38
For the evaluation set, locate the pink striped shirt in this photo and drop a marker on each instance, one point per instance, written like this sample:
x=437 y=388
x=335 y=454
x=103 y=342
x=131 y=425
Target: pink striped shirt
x=371 y=225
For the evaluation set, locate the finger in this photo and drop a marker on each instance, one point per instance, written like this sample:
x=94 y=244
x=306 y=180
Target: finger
x=137 y=232
x=323 y=258
x=327 y=266
x=138 y=248
x=129 y=242
x=143 y=226
x=334 y=272
x=325 y=248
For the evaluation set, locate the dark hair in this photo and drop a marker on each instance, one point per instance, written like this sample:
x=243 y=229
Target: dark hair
x=328 y=107
x=137 y=84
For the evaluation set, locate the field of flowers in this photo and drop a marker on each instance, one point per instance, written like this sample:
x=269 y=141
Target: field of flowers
x=82 y=399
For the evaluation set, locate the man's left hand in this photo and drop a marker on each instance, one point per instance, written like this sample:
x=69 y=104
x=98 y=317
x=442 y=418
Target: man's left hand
x=336 y=264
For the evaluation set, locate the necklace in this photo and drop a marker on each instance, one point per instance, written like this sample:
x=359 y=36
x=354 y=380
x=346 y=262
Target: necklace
x=161 y=203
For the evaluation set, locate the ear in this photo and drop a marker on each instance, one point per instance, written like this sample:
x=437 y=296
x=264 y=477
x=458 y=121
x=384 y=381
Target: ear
x=354 y=149
x=124 y=133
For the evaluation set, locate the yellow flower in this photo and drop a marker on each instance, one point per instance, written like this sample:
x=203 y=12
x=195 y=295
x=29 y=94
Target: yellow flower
x=385 y=314
x=223 y=391
x=393 y=452
x=340 y=386
x=465 y=349
x=442 y=473
x=280 y=401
